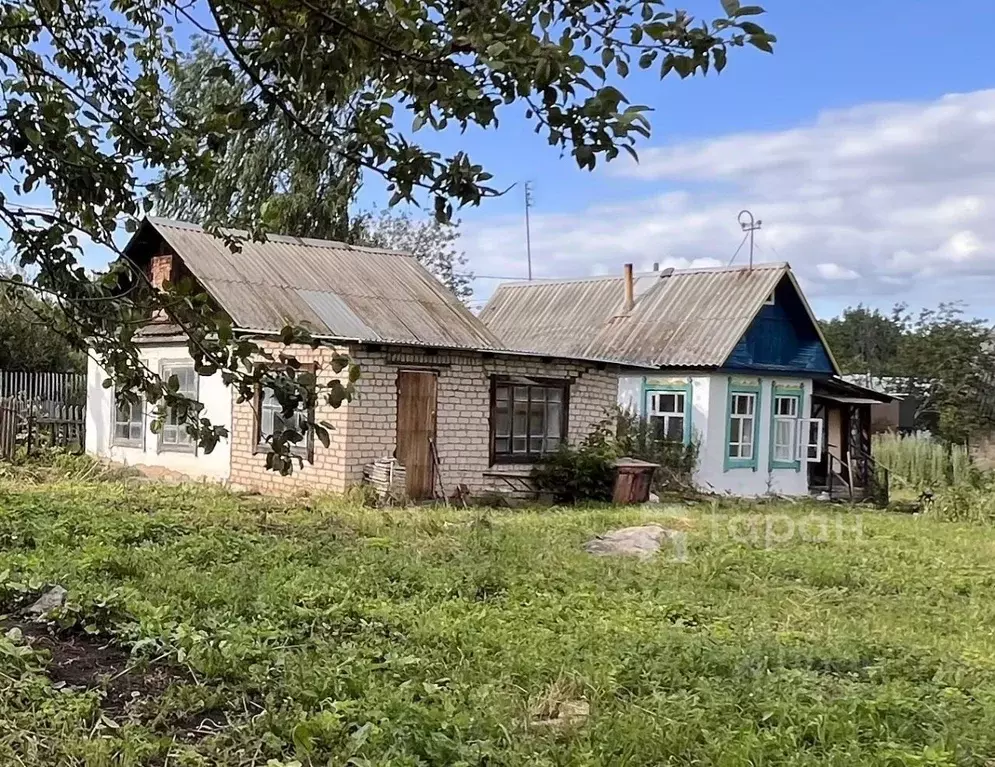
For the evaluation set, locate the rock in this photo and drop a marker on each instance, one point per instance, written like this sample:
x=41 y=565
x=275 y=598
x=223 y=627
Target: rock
x=654 y=498
x=51 y=599
x=642 y=542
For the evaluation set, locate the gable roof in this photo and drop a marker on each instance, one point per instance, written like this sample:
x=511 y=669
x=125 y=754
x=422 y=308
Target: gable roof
x=681 y=318
x=335 y=290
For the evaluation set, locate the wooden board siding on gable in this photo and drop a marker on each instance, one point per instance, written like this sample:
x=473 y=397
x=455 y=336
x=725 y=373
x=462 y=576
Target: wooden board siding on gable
x=781 y=338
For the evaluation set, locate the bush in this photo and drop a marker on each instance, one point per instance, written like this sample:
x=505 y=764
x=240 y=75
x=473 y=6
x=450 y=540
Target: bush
x=635 y=438
x=585 y=473
x=963 y=503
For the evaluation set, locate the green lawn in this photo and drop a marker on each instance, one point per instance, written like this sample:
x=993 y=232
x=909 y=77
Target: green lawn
x=323 y=633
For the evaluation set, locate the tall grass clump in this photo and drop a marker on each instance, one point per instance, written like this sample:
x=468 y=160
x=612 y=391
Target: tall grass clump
x=922 y=463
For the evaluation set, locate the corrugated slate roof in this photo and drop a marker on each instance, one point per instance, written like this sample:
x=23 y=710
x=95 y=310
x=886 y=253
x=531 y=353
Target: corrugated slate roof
x=335 y=290
x=681 y=318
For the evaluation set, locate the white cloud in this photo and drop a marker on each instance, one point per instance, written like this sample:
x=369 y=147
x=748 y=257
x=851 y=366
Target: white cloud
x=835 y=272
x=877 y=203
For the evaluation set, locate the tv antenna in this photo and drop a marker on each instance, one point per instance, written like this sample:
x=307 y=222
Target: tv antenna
x=749 y=225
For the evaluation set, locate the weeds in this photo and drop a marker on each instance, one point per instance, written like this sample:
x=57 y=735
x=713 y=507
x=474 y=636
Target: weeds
x=334 y=634
x=921 y=463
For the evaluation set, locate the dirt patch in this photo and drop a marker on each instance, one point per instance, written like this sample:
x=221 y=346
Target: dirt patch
x=82 y=661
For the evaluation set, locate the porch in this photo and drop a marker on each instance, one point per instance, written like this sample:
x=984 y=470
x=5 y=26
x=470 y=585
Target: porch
x=846 y=469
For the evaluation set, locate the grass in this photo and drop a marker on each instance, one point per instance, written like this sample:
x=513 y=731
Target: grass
x=320 y=633
x=920 y=463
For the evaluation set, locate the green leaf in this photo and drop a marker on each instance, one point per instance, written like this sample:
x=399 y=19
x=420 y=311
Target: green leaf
x=750 y=10
x=762 y=42
x=607 y=54
x=720 y=56
x=731 y=7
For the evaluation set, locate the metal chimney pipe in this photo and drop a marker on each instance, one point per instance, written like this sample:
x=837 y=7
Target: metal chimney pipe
x=630 y=300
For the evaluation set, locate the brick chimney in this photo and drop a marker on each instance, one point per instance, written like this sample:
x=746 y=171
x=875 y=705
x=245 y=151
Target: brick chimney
x=161 y=269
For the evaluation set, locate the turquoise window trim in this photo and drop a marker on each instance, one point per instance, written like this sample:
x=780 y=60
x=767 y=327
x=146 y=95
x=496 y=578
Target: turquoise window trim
x=743 y=463
x=687 y=389
x=798 y=393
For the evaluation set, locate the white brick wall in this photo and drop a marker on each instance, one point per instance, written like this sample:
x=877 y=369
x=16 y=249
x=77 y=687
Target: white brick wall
x=366 y=427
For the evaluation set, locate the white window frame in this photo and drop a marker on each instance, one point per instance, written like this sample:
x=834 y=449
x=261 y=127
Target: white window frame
x=743 y=418
x=135 y=408
x=789 y=457
x=810 y=451
x=186 y=444
x=270 y=405
x=655 y=409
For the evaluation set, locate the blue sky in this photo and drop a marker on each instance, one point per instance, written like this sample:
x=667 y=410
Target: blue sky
x=830 y=58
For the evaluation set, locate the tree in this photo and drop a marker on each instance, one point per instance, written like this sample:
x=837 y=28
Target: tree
x=287 y=183
x=947 y=362
x=432 y=242
x=942 y=360
x=864 y=340
x=33 y=331
x=87 y=117
x=274 y=176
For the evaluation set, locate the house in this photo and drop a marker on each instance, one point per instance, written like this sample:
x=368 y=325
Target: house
x=438 y=389
x=740 y=365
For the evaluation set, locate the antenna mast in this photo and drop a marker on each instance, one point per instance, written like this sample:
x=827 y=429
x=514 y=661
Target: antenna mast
x=749 y=225
x=528 y=232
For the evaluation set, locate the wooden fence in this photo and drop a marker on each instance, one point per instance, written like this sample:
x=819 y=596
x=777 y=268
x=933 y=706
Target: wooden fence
x=66 y=388
x=34 y=424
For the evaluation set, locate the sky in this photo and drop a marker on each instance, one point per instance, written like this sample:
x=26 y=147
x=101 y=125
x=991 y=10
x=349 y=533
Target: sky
x=865 y=144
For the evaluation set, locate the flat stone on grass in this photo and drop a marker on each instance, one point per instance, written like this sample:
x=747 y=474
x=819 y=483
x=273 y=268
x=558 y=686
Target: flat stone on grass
x=643 y=542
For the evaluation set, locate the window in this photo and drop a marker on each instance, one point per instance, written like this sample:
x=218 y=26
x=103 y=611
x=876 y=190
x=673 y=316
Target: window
x=741 y=449
x=668 y=415
x=271 y=421
x=129 y=424
x=784 y=431
x=528 y=418
x=173 y=435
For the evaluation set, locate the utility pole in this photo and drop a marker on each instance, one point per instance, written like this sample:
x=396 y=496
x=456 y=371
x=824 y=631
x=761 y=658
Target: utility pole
x=749 y=225
x=528 y=232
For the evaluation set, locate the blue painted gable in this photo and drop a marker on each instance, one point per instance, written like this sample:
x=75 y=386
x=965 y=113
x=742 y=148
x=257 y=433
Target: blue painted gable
x=781 y=338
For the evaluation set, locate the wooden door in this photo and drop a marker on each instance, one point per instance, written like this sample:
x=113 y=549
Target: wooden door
x=416 y=393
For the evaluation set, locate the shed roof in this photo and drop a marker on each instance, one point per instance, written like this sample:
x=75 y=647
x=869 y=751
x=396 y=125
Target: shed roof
x=333 y=289
x=681 y=318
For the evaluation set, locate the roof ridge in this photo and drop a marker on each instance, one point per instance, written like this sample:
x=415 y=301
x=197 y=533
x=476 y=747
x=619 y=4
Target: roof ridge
x=306 y=242
x=662 y=273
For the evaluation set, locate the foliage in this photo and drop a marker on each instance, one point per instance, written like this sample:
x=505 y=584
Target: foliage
x=289 y=183
x=922 y=463
x=274 y=176
x=327 y=633
x=964 y=503
x=864 y=340
x=582 y=473
x=635 y=437
x=942 y=360
x=431 y=242
x=88 y=122
x=33 y=331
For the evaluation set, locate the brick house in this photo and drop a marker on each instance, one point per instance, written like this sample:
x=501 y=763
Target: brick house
x=432 y=375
